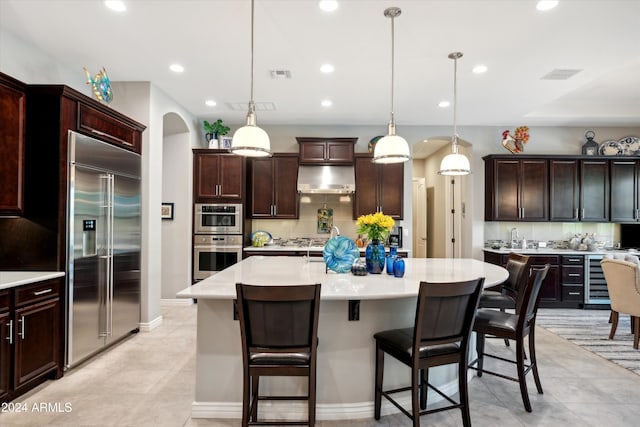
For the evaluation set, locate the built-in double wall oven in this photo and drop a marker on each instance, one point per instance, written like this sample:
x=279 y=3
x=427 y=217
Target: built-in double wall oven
x=217 y=240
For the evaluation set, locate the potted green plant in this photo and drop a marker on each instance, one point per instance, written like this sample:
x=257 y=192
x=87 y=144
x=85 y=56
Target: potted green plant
x=213 y=130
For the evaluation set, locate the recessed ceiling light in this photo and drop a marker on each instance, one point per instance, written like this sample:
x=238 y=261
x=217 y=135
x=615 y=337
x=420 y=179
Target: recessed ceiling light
x=328 y=5
x=118 y=6
x=326 y=103
x=479 y=69
x=444 y=104
x=210 y=103
x=327 y=68
x=176 y=68
x=546 y=4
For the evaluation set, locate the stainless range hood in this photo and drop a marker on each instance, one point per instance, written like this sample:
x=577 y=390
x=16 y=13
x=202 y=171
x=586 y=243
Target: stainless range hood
x=326 y=179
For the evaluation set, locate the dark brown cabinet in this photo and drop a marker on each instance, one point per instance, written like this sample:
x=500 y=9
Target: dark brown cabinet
x=12 y=145
x=572 y=279
x=379 y=187
x=625 y=204
x=516 y=190
x=564 y=190
x=594 y=190
x=32 y=340
x=326 y=151
x=218 y=176
x=273 y=187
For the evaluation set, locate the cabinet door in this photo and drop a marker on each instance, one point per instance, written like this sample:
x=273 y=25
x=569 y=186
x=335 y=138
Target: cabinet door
x=206 y=170
x=534 y=194
x=551 y=291
x=262 y=182
x=285 y=190
x=564 y=190
x=37 y=340
x=366 y=197
x=5 y=354
x=594 y=190
x=231 y=178
x=339 y=153
x=313 y=152
x=624 y=191
x=391 y=180
x=506 y=190
x=12 y=138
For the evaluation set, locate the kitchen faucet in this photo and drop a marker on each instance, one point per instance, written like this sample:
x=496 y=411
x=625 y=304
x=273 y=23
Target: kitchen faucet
x=333 y=227
x=514 y=241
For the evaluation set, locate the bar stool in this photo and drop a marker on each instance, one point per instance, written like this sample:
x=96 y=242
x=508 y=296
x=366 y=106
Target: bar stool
x=278 y=326
x=439 y=336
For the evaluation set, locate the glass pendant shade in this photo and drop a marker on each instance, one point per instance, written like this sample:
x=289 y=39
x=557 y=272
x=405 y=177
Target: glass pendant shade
x=455 y=164
x=391 y=149
x=251 y=141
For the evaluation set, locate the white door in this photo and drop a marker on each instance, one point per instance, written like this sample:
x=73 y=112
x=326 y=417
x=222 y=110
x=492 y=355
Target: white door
x=419 y=218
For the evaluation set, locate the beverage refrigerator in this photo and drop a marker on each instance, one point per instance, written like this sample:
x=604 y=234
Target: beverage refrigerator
x=103 y=244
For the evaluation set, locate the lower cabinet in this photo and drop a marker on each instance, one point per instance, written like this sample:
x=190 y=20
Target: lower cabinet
x=564 y=284
x=32 y=339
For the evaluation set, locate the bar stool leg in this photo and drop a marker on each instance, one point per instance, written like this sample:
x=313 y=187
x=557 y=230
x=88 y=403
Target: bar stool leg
x=424 y=387
x=378 y=387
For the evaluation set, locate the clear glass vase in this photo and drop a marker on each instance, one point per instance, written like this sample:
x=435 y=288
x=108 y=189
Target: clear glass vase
x=374 y=257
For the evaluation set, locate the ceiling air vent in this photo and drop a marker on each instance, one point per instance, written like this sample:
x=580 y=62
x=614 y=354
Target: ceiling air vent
x=560 y=74
x=242 y=106
x=280 y=74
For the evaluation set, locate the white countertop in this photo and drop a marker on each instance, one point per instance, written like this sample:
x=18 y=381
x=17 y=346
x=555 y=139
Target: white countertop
x=550 y=251
x=279 y=270
x=10 y=279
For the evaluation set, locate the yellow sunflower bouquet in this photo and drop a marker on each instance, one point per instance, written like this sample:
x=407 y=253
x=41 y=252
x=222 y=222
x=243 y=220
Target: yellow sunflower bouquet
x=376 y=226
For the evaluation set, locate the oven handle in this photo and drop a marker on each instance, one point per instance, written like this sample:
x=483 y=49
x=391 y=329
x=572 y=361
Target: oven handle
x=231 y=248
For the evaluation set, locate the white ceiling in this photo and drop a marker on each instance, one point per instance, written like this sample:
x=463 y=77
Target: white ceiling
x=211 y=39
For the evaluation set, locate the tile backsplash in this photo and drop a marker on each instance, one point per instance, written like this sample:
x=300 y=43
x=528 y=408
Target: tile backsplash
x=608 y=233
x=306 y=225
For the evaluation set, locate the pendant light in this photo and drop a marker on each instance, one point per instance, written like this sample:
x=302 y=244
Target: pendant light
x=250 y=140
x=392 y=148
x=455 y=163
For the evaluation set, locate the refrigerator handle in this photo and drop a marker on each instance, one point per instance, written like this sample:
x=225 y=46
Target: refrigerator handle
x=110 y=224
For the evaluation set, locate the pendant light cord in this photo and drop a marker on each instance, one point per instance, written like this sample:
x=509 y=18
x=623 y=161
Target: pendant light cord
x=393 y=44
x=455 y=98
x=251 y=103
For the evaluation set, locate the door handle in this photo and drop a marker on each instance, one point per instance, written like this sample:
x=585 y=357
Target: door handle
x=45 y=291
x=10 y=336
x=21 y=334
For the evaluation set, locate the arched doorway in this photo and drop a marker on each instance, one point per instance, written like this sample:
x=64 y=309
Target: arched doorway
x=176 y=189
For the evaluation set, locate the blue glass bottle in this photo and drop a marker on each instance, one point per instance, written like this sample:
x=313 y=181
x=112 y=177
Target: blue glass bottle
x=398 y=267
x=393 y=253
x=374 y=257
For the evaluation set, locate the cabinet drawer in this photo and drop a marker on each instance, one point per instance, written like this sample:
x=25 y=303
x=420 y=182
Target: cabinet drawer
x=572 y=293
x=573 y=275
x=572 y=260
x=108 y=128
x=4 y=301
x=40 y=291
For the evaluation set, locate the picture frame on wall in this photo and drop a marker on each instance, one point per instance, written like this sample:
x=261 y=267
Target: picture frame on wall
x=167 y=211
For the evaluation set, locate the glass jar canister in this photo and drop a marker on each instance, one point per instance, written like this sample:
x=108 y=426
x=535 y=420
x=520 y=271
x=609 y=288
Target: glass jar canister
x=398 y=267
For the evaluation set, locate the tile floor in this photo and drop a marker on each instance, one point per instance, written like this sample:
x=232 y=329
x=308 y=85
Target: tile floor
x=148 y=380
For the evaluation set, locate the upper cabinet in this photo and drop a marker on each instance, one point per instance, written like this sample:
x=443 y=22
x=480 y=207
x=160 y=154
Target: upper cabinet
x=564 y=191
x=379 y=187
x=12 y=145
x=516 y=189
x=326 y=151
x=594 y=190
x=625 y=203
x=273 y=187
x=218 y=176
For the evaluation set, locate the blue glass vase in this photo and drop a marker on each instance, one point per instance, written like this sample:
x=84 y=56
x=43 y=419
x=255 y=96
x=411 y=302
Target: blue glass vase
x=398 y=267
x=374 y=257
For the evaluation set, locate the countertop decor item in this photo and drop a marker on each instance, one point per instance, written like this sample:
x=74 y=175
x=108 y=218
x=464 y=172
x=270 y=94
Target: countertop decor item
x=325 y=220
x=590 y=148
x=339 y=254
x=261 y=238
x=213 y=131
x=515 y=143
x=374 y=257
x=611 y=148
x=376 y=226
x=630 y=145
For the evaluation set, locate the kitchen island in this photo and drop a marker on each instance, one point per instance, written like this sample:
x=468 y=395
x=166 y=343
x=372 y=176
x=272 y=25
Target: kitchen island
x=346 y=350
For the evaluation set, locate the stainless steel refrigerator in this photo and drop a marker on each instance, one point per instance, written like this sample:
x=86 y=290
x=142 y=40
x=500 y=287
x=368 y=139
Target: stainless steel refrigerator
x=103 y=272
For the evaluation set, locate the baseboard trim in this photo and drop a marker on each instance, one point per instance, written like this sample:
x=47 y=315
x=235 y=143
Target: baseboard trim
x=150 y=326
x=324 y=411
x=176 y=301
